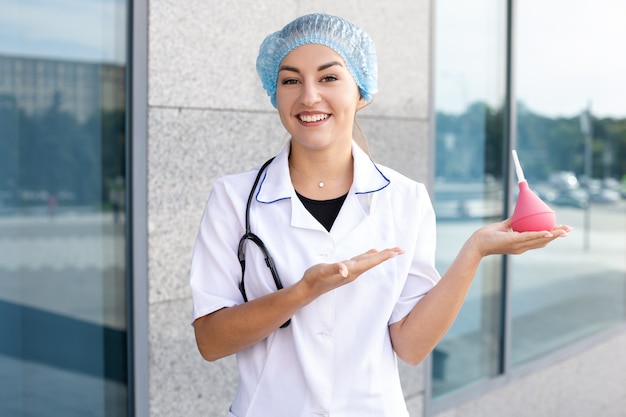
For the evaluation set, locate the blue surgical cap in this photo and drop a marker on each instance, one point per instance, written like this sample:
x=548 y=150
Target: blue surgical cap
x=349 y=41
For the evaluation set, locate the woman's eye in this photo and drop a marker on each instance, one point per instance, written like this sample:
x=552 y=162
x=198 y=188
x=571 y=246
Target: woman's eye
x=288 y=81
x=328 y=78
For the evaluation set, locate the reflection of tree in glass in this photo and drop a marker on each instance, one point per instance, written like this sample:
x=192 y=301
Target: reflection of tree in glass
x=546 y=144
x=50 y=153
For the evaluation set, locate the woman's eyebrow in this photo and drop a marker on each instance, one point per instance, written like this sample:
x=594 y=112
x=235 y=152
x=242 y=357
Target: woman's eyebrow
x=320 y=68
x=288 y=68
x=328 y=65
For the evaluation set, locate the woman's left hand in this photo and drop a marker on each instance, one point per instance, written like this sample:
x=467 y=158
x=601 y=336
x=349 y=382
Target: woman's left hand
x=499 y=238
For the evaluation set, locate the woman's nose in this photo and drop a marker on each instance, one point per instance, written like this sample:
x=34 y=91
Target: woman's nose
x=309 y=94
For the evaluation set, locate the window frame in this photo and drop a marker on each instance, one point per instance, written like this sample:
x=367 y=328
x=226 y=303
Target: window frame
x=137 y=209
x=508 y=374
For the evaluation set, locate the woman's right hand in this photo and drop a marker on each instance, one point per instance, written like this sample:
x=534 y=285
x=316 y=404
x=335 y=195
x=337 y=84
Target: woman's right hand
x=321 y=278
x=235 y=328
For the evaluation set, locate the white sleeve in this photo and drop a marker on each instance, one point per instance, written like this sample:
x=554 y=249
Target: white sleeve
x=422 y=274
x=215 y=270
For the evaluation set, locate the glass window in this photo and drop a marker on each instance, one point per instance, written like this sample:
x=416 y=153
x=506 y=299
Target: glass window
x=63 y=320
x=571 y=141
x=469 y=98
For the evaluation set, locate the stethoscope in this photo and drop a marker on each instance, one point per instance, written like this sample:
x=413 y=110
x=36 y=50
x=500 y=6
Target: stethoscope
x=257 y=241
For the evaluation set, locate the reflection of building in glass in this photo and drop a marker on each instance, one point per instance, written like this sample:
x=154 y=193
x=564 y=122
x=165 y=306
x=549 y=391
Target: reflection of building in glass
x=78 y=88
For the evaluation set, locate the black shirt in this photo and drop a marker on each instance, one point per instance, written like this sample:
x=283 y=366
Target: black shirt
x=325 y=211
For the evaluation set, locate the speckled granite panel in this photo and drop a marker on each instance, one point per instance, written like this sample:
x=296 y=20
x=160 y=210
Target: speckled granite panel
x=203 y=54
x=181 y=382
x=187 y=150
x=412 y=379
x=402 y=144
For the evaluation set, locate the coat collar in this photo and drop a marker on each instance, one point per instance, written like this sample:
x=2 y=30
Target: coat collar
x=276 y=182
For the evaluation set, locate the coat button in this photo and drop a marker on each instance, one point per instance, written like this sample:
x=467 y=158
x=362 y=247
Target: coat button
x=327 y=334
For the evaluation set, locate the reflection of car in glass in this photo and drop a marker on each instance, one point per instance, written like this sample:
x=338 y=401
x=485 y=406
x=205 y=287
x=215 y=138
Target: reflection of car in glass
x=564 y=180
x=613 y=184
x=602 y=190
x=573 y=198
x=568 y=190
x=605 y=196
x=468 y=200
x=610 y=191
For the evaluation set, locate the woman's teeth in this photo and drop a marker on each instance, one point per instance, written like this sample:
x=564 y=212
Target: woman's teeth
x=309 y=118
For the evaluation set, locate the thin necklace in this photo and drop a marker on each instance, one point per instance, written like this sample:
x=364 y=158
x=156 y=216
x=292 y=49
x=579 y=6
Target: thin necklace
x=320 y=184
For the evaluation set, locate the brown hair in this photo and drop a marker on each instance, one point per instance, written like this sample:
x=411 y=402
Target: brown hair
x=360 y=138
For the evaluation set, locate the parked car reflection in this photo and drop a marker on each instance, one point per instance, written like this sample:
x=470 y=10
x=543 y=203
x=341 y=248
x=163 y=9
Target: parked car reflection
x=569 y=191
x=571 y=198
x=468 y=200
x=602 y=191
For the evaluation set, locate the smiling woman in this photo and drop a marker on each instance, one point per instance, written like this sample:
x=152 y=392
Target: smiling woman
x=352 y=240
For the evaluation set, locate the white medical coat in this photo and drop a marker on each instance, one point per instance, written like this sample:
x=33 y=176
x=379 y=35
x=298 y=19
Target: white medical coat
x=336 y=358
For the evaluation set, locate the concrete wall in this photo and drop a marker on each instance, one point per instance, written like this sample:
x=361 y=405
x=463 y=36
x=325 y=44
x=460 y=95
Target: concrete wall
x=208 y=115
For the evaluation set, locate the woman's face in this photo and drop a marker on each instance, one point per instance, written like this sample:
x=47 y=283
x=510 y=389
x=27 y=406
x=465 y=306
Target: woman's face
x=317 y=97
